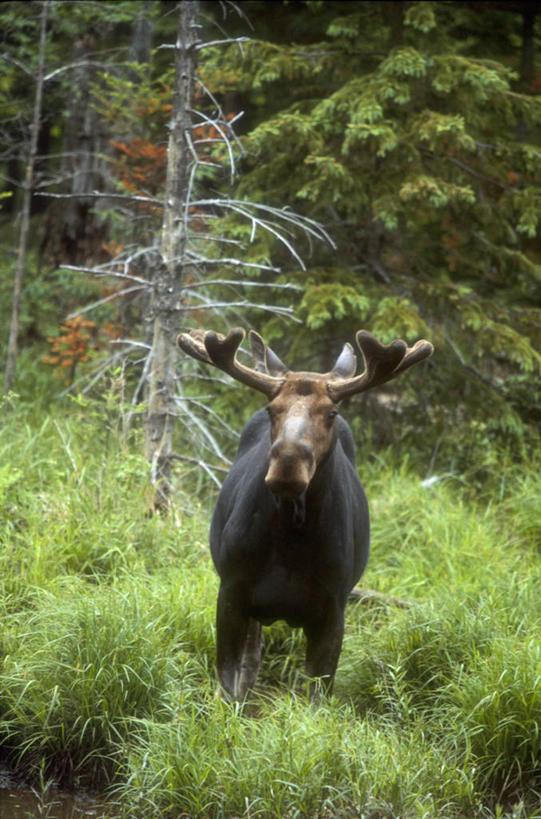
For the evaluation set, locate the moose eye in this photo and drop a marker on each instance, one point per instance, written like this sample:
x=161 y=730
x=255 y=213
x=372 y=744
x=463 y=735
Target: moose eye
x=332 y=415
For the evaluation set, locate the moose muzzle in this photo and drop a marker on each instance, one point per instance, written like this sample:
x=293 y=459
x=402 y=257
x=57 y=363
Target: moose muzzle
x=291 y=468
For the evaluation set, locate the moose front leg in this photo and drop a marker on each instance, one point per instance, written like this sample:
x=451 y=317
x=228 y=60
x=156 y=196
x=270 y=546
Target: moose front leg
x=239 y=647
x=323 y=645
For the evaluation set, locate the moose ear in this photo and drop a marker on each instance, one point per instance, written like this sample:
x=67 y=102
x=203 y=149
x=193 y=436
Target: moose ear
x=265 y=361
x=346 y=363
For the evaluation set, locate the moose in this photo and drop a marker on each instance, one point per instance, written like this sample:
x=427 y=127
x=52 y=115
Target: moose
x=289 y=535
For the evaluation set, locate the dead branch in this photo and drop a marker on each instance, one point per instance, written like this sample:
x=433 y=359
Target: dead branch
x=98 y=273
x=374 y=598
x=102 y=195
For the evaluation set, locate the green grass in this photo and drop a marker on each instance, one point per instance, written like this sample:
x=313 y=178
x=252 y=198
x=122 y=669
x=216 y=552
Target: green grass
x=107 y=647
x=287 y=759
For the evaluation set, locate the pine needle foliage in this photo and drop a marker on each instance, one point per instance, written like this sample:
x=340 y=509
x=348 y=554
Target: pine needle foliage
x=410 y=131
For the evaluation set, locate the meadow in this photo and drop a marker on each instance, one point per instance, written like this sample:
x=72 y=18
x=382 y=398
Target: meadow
x=107 y=678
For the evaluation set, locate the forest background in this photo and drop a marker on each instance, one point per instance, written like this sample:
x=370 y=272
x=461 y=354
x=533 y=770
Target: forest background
x=409 y=131
x=343 y=165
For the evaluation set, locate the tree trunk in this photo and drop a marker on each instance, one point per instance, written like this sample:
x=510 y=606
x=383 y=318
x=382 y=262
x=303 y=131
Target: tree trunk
x=74 y=228
x=141 y=44
x=393 y=13
x=169 y=275
x=527 y=63
x=11 y=357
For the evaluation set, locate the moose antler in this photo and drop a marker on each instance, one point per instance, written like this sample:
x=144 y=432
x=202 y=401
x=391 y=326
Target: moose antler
x=382 y=362
x=221 y=351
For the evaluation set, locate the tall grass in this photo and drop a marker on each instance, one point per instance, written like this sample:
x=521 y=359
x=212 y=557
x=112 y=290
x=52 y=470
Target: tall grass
x=107 y=647
x=289 y=760
x=83 y=666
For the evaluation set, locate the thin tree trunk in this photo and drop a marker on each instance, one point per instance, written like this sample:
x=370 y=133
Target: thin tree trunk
x=141 y=44
x=27 y=201
x=393 y=12
x=170 y=273
x=527 y=63
x=75 y=230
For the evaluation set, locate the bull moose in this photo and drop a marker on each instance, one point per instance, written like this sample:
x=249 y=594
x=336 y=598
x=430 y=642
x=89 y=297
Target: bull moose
x=289 y=536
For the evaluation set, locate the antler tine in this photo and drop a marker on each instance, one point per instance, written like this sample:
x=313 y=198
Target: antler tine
x=193 y=343
x=382 y=362
x=221 y=351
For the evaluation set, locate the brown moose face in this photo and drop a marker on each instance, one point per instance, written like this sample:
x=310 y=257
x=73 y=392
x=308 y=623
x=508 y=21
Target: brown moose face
x=302 y=432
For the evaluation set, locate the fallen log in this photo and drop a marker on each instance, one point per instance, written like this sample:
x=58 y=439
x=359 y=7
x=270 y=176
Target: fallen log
x=371 y=598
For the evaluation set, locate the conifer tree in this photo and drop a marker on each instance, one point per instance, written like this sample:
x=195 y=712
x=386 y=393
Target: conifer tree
x=398 y=125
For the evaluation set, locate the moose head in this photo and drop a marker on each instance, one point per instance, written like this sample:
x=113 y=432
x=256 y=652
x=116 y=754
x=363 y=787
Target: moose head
x=302 y=405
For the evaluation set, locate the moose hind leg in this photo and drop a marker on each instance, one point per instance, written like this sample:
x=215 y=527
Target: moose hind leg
x=251 y=657
x=323 y=646
x=238 y=647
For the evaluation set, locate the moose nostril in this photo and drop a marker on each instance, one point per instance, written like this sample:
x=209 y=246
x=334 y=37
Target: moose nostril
x=305 y=452
x=275 y=448
x=297 y=450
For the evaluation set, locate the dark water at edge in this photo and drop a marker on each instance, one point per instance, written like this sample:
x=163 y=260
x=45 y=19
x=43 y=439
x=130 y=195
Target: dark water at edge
x=19 y=801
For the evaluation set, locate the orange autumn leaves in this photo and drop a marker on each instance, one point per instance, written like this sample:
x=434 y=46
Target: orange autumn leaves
x=78 y=339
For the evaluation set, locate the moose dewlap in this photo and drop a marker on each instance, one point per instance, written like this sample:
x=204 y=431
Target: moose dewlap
x=289 y=536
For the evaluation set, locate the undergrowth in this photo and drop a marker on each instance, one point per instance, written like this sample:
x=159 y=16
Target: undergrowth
x=107 y=647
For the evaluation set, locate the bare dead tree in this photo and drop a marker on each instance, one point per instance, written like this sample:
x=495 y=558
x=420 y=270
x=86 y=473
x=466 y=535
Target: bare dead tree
x=169 y=273
x=28 y=184
x=195 y=266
